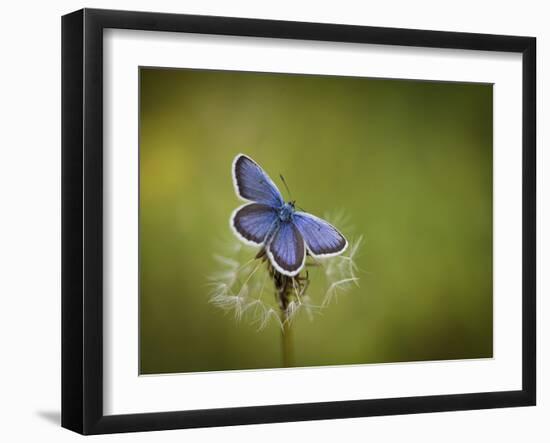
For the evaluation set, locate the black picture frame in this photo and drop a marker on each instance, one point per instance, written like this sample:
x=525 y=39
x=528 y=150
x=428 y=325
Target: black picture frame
x=82 y=220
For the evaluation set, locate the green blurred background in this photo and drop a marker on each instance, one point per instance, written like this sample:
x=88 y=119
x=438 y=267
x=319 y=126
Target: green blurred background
x=410 y=163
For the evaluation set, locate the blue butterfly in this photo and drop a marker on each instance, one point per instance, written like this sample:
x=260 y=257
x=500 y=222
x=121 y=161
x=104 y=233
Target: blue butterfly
x=286 y=234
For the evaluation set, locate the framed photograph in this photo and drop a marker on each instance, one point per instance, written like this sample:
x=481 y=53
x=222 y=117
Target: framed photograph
x=268 y=221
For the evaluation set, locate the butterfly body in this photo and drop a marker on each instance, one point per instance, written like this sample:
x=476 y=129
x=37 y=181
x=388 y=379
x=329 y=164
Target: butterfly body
x=287 y=235
x=286 y=212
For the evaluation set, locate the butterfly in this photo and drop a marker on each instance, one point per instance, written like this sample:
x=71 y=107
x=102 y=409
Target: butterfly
x=266 y=220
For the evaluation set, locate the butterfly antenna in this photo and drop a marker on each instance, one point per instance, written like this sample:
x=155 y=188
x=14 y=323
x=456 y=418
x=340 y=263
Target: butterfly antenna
x=286 y=186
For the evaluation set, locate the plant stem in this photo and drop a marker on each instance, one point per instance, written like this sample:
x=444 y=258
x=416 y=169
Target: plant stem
x=286 y=336
x=283 y=292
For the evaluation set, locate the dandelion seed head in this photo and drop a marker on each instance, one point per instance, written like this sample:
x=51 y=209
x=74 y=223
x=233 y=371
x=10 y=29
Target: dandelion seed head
x=242 y=284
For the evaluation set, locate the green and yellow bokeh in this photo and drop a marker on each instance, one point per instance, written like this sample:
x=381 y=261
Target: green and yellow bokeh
x=410 y=164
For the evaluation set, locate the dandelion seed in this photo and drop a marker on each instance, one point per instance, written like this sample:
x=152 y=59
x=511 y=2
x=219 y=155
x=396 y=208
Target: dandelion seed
x=337 y=288
x=268 y=315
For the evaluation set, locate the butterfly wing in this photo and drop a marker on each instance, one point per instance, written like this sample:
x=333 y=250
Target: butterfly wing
x=286 y=250
x=253 y=184
x=322 y=239
x=253 y=222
